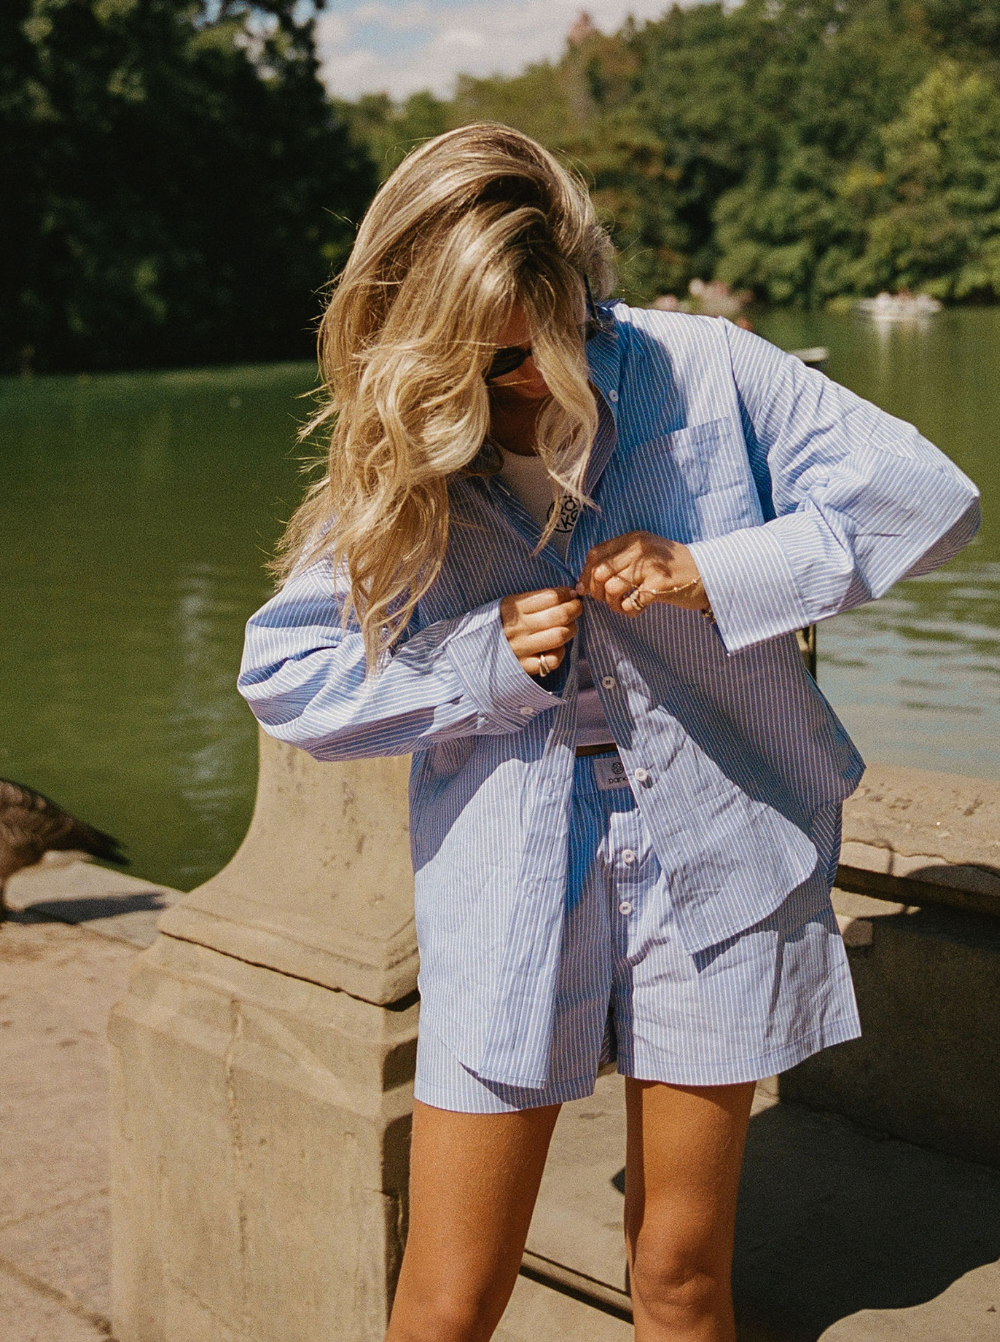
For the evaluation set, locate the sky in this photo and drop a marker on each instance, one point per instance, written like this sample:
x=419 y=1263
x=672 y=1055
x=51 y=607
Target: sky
x=400 y=46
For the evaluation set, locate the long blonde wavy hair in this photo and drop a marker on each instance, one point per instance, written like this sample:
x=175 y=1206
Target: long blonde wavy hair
x=469 y=224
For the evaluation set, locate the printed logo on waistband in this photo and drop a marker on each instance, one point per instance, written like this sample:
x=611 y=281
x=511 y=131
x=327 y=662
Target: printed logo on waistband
x=609 y=772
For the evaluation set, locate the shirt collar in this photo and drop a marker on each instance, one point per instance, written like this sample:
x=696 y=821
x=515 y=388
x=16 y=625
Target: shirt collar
x=604 y=362
x=604 y=357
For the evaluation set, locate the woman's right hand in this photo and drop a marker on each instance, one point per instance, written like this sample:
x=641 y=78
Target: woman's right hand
x=540 y=624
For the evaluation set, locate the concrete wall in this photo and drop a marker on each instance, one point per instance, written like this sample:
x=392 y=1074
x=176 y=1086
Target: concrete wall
x=262 y=1068
x=916 y=837
x=919 y=901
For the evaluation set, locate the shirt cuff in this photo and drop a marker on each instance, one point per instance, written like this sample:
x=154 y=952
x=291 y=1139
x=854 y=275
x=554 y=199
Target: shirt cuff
x=483 y=660
x=750 y=586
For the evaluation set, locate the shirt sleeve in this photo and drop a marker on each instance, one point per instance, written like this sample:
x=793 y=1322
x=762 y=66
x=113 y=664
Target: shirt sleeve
x=303 y=675
x=858 y=500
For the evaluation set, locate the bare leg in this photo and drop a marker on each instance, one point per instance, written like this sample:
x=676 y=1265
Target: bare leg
x=685 y=1149
x=473 y=1183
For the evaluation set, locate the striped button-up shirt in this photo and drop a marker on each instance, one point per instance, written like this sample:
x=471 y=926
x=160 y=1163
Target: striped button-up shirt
x=797 y=499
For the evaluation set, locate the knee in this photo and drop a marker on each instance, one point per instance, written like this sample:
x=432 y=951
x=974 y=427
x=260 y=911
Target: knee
x=678 y=1288
x=444 y=1317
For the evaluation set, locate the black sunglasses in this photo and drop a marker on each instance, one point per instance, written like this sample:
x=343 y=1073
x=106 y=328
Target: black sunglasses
x=510 y=357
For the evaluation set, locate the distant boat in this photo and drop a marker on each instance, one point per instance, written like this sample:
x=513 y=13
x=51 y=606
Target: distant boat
x=815 y=356
x=901 y=307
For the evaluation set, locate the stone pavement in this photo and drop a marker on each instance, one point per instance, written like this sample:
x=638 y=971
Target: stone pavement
x=844 y=1235
x=57 y=984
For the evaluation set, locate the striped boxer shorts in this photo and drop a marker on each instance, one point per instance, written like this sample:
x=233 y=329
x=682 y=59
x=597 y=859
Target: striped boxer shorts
x=628 y=993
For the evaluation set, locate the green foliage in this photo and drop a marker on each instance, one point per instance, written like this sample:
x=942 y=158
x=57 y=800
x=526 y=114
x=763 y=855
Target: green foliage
x=391 y=131
x=177 y=185
x=937 y=227
x=804 y=149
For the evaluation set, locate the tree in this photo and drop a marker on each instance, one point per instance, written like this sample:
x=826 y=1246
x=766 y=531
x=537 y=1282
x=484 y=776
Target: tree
x=183 y=186
x=936 y=226
x=391 y=131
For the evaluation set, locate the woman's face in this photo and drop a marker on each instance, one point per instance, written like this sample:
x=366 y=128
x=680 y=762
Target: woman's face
x=525 y=383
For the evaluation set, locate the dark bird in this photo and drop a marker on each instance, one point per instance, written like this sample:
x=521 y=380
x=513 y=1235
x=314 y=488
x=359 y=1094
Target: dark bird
x=32 y=824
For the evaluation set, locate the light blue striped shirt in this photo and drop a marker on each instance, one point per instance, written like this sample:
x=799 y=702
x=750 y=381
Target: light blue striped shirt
x=798 y=500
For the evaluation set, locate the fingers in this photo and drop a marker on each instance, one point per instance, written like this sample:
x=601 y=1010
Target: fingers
x=607 y=559
x=534 y=612
x=629 y=573
x=611 y=578
x=539 y=625
x=550 y=643
x=553 y=617
x=545 y=599
x=616 y=589
x=636 y=601
x=546 y=640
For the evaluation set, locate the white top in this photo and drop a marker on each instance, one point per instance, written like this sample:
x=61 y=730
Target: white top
x=529 y=480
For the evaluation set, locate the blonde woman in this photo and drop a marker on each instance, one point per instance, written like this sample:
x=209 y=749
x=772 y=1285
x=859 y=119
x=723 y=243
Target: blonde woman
x=559 y=556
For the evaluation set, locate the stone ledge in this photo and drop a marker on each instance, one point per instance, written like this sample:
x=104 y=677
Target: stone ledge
x=69 y=888
x=914 y=836
x=321 y=887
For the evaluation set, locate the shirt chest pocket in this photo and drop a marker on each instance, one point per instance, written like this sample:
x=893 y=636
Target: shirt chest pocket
x=692 y=484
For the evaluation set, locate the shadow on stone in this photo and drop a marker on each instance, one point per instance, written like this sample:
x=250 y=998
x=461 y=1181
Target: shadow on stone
x=971 y=886
x=925 y=1068
x=834 y=1220
x=88 y=910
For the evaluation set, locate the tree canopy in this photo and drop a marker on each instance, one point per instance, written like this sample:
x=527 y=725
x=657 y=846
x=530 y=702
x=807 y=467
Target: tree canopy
x=176 y=183
x=803 y=149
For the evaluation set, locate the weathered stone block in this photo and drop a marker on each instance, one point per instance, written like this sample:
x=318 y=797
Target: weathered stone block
x=919 y=837
x=926 y=1068
x=260 y=1153
x=322 y=885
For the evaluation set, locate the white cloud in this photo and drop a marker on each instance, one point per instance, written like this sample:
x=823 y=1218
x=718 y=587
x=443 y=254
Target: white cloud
x=372 y=45
x=462 y=37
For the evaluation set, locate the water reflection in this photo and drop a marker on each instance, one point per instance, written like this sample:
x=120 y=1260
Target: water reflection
x=916 y=676
x=138 y=511
x=136 y=518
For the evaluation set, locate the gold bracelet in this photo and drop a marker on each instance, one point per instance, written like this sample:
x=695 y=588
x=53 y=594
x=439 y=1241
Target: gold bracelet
x=637 y=592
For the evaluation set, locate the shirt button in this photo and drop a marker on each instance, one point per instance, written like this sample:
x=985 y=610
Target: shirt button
x=612 y=396
x=527 y=712
x=608 y=682
x=625 y=906
x=628 y=857
x=641 y=775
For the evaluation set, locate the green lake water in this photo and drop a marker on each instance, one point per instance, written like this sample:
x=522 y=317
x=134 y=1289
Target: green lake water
x=137 y=511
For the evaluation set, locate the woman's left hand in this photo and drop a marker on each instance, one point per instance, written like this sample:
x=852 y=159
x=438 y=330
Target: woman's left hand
x=630 y=572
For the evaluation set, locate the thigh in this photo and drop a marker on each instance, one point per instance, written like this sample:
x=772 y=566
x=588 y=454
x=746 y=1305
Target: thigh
x=473 y=1183
x=684 y=1153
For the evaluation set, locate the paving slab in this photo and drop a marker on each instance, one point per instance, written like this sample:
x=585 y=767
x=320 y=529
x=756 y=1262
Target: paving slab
x=843 y=1234
x=959 y=1314
x=57 y=985
x=31 y=1314
x=66 y=1247
x=846 y=1234
x=578 y=1217
x=536 y=1313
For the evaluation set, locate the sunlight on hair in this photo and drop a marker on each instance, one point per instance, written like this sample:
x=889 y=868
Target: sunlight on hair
x=469 y=224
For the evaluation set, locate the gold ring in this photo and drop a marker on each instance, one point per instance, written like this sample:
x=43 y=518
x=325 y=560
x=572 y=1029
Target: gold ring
x=543 y=663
